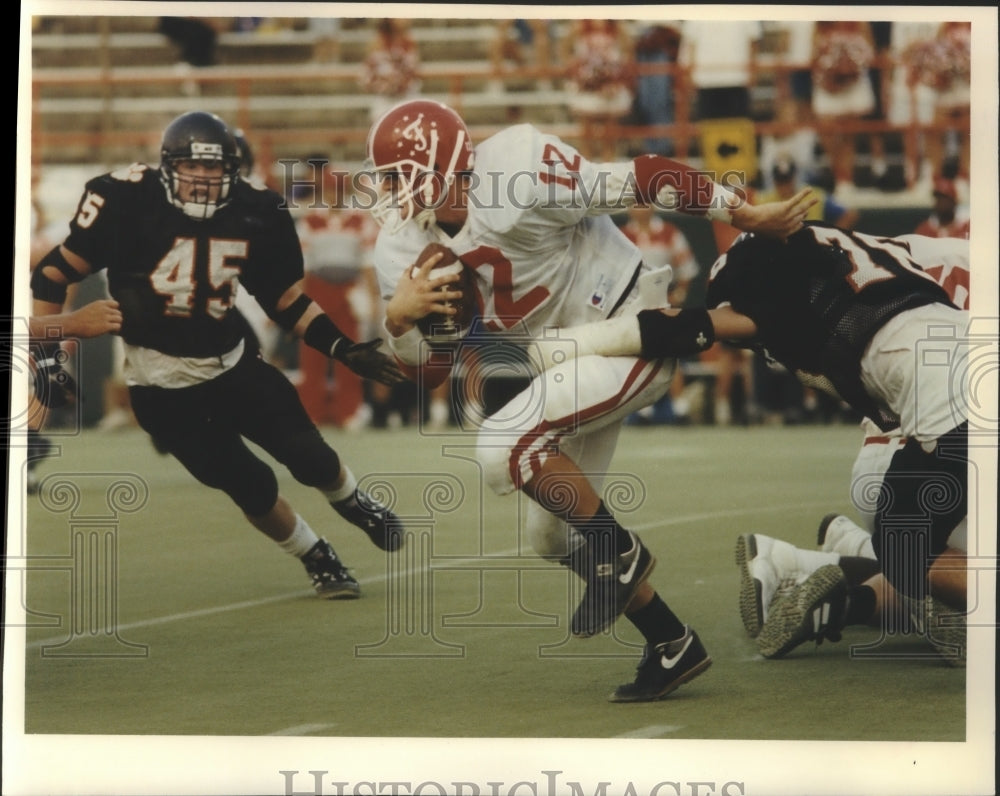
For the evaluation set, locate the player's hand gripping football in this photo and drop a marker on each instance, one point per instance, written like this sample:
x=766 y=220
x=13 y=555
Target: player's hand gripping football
x=420 y=293
x=368 y=362
x=775 y=219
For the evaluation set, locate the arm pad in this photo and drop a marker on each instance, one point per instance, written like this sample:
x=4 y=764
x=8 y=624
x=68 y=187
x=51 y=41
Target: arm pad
x=670 y=336
x=289 y=316
x=44 y=287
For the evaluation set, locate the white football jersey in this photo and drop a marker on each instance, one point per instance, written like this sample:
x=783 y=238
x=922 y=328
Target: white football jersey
x=538 y=234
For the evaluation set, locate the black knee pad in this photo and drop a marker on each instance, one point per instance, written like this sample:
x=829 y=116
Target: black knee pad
x=922 y=499
x=309 y=459
x=255 y=492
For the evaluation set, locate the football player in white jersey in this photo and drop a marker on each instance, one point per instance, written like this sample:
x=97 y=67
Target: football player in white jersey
x=529 y=219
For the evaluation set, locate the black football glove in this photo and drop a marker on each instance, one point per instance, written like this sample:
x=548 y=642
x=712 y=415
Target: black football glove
x=368 y=362
x=54 y=386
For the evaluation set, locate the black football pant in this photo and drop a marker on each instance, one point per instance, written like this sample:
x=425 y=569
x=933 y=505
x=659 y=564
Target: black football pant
x=922 y=499
x=204 y=427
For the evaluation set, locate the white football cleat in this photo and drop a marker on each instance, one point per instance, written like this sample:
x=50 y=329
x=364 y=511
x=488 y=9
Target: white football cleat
x=769 y=567
x=839 y=534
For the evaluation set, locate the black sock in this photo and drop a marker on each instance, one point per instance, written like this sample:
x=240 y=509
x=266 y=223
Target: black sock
x=860 y=605
x=858 y=569
x=656 y=622
x=604 y=535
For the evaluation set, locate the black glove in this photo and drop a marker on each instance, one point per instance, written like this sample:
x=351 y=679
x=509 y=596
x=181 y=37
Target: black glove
x=54 y=386
x=367 y=361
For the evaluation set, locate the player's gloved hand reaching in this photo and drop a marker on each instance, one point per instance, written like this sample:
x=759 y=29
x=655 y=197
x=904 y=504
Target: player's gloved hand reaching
x=54 y=386
x=367 y=361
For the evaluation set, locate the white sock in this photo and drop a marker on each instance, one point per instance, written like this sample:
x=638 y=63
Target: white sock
x=302 y=539
x=346 y=490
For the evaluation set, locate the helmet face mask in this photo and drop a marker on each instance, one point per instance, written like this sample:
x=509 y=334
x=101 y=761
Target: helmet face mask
x=415 y=152
x=199 y=163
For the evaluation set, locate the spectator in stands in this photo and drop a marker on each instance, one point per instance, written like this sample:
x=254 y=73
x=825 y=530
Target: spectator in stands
x=948 y=219
x=787 y=183
x=657 y=45
x=948 y=67
x=721 y=61
x=795 y=81
x=911 y=96
x=601 y=80
x=197 y=37
x=843 y=52
x=391 y=67
x=336 y=247
x=521 y=42
x=793 y=139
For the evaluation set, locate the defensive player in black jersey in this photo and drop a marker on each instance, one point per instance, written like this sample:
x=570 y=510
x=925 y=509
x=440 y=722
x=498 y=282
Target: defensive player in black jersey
x=861 y=317
x=174 y=241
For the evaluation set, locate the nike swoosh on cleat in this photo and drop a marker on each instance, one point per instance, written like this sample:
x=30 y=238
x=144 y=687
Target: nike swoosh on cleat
x=626 y=576
x=670 y=663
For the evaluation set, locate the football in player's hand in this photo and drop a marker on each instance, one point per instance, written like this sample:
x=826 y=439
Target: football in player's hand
x=437 y=326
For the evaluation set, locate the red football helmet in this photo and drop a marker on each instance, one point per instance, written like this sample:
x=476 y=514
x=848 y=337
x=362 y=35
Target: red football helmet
x=415 y=151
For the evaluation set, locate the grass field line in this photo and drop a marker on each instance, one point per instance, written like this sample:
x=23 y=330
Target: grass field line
x=245 y=604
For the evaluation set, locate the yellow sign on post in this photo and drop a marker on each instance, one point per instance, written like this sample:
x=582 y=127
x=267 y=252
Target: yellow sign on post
x=729 y=145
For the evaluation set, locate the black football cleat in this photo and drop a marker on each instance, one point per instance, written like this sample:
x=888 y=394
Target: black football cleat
x=610 y=587
x=382 y=526
x=329 y=576
x=663 y=668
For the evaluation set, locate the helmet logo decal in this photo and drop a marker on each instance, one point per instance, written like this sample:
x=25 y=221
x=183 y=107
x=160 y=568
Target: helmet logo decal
x=200 y=149
x=414 y=131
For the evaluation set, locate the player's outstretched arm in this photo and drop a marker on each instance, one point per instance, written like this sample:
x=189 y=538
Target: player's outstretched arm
x=652 y=334
x=299 y=314
x=670 y=184
x=102 y=316
x=775 y=219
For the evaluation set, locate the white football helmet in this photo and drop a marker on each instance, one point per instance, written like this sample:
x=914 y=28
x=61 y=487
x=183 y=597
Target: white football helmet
x=415 y=151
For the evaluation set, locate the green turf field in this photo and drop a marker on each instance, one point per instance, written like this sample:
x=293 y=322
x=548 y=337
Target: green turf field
x=153 y=608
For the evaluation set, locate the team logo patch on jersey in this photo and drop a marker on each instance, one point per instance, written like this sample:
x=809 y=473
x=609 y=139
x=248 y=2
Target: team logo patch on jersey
x=599 y=297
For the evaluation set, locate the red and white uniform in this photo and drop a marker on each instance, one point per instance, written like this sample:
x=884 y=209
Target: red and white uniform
x=879 y=446
x=546 y=256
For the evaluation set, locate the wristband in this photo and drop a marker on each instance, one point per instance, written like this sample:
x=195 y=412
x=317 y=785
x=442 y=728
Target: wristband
x=410 y=348
x=722 y=204
x=323 y=335
x=671 y=336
